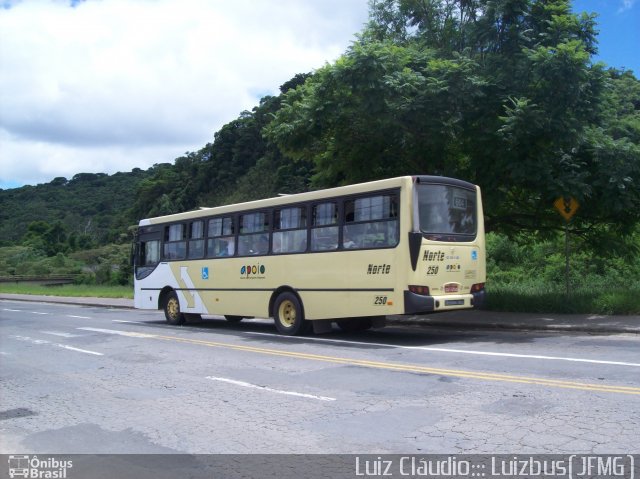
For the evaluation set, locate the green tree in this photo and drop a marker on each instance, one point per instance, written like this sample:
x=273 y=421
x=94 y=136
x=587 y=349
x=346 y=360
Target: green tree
x=500 y=92
x=48 y=238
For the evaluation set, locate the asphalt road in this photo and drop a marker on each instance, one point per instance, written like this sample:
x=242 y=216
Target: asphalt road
x=98 y=380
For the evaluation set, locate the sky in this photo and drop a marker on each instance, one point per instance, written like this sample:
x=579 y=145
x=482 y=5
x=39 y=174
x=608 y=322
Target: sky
x=104 y=86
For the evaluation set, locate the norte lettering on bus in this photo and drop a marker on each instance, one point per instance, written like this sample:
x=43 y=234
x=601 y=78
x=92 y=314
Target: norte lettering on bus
x=379 y=269
x=433 y=256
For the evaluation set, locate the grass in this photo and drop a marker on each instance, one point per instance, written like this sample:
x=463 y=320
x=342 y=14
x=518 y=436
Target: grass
x=544 y=299
x=80 y=290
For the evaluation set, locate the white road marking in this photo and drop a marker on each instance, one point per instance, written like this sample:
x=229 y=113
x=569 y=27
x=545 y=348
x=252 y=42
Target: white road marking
x=120 y=333
x=417 y=348
x=77 y=317
x=63 y=346
x=38 y=312
x=60 y=333
x=12 y=310
x=265 y=388
x=86 y=351
x=30 y=340
x=458 y=351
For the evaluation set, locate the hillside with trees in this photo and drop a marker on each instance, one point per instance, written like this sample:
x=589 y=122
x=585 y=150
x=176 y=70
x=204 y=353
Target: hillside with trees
x=504 y=94
x=89 y=209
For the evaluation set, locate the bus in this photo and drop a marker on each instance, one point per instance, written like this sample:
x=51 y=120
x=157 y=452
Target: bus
x=352 y=255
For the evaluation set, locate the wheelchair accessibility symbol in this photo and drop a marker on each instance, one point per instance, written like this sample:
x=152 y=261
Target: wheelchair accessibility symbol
x=205 y=272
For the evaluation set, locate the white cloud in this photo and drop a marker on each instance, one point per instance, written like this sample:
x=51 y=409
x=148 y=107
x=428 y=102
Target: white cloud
x=112 y=85
x=626 y=5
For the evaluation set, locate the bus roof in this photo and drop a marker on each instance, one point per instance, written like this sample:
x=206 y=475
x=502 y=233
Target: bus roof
x=304 y=197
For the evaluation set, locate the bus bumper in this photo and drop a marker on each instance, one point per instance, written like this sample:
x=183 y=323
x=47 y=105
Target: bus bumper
x=479 y=299
x=415 y=303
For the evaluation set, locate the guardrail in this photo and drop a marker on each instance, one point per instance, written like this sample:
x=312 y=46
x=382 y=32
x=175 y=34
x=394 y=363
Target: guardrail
x=47 y=280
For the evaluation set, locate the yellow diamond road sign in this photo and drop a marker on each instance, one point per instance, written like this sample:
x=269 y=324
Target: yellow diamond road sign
x=567 y=206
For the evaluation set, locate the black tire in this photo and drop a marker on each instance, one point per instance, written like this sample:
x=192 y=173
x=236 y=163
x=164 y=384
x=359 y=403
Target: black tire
x=172 y=312
x=233 y=319
x=354 y=325
x=289 y=315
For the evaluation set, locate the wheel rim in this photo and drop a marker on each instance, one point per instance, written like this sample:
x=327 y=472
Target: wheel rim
x=173 y=308
x=287 y=313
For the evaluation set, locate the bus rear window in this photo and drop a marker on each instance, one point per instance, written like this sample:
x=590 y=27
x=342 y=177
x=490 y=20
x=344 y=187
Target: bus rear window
x=447 y=213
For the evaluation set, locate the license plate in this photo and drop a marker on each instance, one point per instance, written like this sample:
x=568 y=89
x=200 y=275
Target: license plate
x=451 y=288
x=454 y=302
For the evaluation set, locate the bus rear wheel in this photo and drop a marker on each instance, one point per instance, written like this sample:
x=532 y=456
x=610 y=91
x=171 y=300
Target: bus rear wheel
x=172 y=312
x=288 y=315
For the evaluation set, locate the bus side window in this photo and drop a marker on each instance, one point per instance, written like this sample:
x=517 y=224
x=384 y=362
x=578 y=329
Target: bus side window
x=221 y=240
x=196 y=240
x=150 y=253
x=290 y=231
x=254 y=234
x=370 y=222
x=324 y=232
x=175 y=246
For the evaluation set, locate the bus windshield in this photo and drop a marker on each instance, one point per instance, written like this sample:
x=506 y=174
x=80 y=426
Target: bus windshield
x=447 y=213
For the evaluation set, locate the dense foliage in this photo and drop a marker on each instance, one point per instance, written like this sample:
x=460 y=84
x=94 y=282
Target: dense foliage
x=66 y=215
x=501 y=93
x=529 y=276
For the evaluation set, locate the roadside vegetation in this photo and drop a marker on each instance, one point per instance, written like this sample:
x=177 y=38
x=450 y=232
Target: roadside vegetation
x=102 y=272
x=103 y=266
x=69 y=290
x=506 y=95
x=529 y=276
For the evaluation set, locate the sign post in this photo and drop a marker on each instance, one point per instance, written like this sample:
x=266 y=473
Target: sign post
x=567 y=207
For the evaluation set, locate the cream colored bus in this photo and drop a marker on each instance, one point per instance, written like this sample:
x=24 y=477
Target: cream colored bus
x=353 y=254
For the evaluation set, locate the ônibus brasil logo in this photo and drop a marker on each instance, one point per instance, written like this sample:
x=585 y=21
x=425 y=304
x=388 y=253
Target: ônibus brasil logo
x=33 y=467
x=253 y=271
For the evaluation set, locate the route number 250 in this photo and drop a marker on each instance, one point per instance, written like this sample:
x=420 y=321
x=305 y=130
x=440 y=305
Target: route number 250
x=380 y=300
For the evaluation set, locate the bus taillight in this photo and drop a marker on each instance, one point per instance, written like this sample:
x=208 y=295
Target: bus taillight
x=421 y=290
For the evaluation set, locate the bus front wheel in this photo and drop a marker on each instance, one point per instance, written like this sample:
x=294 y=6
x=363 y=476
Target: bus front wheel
x=172 y=312
x=288 y=315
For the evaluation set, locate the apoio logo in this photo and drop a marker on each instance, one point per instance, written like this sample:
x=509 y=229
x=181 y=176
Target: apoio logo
x=253 y=271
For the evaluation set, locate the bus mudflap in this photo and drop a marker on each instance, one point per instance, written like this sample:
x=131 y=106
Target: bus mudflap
x=415 y=303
